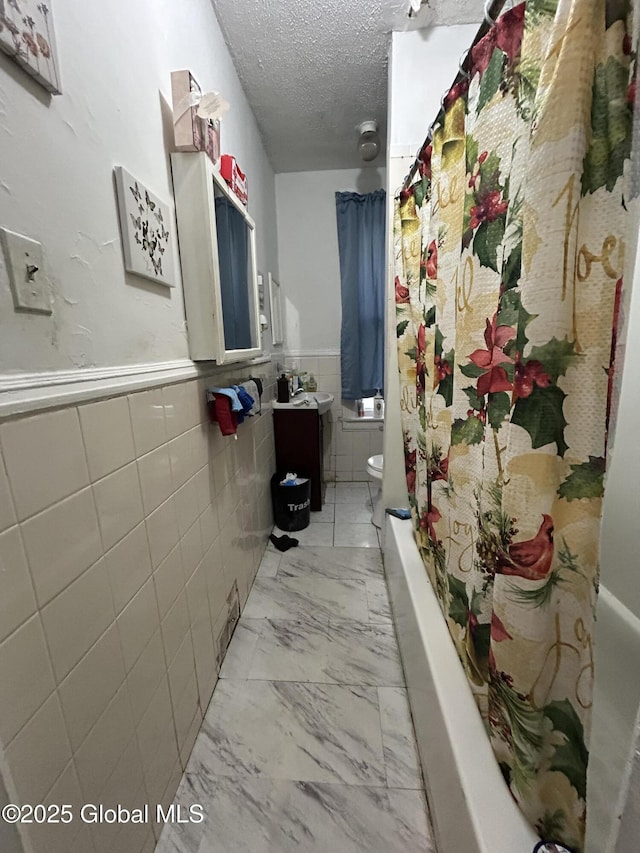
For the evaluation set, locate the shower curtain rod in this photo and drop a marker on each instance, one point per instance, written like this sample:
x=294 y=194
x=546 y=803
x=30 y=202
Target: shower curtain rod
x=492 y=9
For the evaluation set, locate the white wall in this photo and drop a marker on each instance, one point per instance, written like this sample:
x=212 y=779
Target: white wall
x=308 y=253
x=57 y=156
x=422 y=66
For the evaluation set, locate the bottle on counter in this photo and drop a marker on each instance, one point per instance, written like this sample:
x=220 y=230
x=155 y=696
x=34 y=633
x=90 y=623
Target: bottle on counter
x=360 y=408
x=378 y=405
x=312 y=384
x=283 y=389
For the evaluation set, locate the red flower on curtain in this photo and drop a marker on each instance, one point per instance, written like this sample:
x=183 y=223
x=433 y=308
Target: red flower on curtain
x=424 y=164
x=432 y=260
x=402 y=293
x=498 y=634
x=490 y=206
x=506 y=35
x=494 y=376
x=527 y=376
x=443 y=368
x=481 y=414
x=428 y=519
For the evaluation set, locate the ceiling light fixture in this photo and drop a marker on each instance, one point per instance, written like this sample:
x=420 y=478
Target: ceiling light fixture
x=368 y=140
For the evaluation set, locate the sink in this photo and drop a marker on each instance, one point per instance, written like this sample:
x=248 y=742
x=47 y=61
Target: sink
x=323 y=399
x=320 y=400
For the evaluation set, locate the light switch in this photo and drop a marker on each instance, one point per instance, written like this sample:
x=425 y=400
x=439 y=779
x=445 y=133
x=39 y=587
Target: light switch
x=30 y=286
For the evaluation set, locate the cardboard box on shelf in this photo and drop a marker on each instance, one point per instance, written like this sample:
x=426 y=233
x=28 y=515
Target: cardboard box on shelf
x=190 y=132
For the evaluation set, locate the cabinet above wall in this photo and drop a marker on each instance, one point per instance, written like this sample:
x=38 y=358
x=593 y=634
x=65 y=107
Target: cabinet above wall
x=218 y=259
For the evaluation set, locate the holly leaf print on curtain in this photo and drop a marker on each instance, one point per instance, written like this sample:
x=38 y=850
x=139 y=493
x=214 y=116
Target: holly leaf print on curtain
x=542 y=417
x=469 y=431
x=586 y=480
x=459 y=601
x=539 y=400
x=485 y=206
x=491 y=78
x=570 y=755
x=611 y=119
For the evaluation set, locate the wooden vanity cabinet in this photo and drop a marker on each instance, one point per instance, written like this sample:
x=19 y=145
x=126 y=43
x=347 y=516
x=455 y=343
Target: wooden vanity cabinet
x=299 y=448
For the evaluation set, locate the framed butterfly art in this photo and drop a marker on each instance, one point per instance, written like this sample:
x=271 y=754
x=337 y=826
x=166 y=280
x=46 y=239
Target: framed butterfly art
x=146 y=224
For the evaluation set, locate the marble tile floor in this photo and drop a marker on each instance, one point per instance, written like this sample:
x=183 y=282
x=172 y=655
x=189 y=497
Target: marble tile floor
x=307 y=744
x=345 y=519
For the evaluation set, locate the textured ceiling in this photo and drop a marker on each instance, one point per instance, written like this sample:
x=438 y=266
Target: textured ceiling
x=314 y=69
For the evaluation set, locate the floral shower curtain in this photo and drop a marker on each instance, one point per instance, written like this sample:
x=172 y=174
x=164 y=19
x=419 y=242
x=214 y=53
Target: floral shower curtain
x=510 y=257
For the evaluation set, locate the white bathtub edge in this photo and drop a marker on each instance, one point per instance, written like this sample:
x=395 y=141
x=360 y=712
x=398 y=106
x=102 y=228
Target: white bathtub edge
x=472 y=809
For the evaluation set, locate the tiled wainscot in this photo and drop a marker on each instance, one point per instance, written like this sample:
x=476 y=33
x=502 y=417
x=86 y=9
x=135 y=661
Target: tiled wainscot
x=130 y=534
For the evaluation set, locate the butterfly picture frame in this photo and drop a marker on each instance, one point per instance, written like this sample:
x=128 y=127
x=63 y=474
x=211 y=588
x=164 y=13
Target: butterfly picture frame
x=146 y=224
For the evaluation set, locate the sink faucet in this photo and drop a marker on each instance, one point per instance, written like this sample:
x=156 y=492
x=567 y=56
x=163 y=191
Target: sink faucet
x=298 y=391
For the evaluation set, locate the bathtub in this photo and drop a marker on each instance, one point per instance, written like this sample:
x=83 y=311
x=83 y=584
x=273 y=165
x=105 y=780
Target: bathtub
x=471 y=808
x=616 y=697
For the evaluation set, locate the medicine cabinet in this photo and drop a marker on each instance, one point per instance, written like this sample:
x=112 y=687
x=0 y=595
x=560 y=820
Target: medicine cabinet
x=218 y=258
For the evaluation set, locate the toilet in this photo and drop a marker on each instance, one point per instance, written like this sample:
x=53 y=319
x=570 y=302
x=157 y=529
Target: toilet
x=374 y=469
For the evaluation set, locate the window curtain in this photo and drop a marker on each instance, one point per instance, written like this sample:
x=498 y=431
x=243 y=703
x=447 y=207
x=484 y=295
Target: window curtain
x=361 y=243
x=233 y=260
x=510 y=261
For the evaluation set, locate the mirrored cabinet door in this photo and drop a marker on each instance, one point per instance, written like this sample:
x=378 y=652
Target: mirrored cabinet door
x=218 y=259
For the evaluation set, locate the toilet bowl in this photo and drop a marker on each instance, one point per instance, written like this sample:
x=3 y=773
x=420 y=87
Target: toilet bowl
x=375 y=469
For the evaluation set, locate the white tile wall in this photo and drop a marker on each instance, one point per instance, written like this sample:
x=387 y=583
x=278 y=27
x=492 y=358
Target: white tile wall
x=146 y=674
x=45 y=459
x=25 y=670
x=108 y=437
x=119 y=504
x=17 y=599
x=124 y=524
x=129 y=565
x=61 y=543
x=40 y=751
x=75 y=619
x=7 y=512
x=346 y=451
x=91 y=685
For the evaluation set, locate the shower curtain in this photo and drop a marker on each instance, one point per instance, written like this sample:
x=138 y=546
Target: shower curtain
x=509 y=259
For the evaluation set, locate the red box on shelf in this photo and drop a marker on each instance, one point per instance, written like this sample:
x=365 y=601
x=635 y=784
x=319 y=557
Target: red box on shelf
x=236 y=179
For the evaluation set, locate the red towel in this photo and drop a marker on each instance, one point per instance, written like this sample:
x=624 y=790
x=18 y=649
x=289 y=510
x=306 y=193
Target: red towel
x=220 y=412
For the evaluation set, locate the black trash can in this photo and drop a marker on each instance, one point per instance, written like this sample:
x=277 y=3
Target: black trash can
x=291 y=504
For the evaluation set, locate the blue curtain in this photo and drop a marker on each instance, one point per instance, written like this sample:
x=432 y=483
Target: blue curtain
x=361 y=242
x=233 y=260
